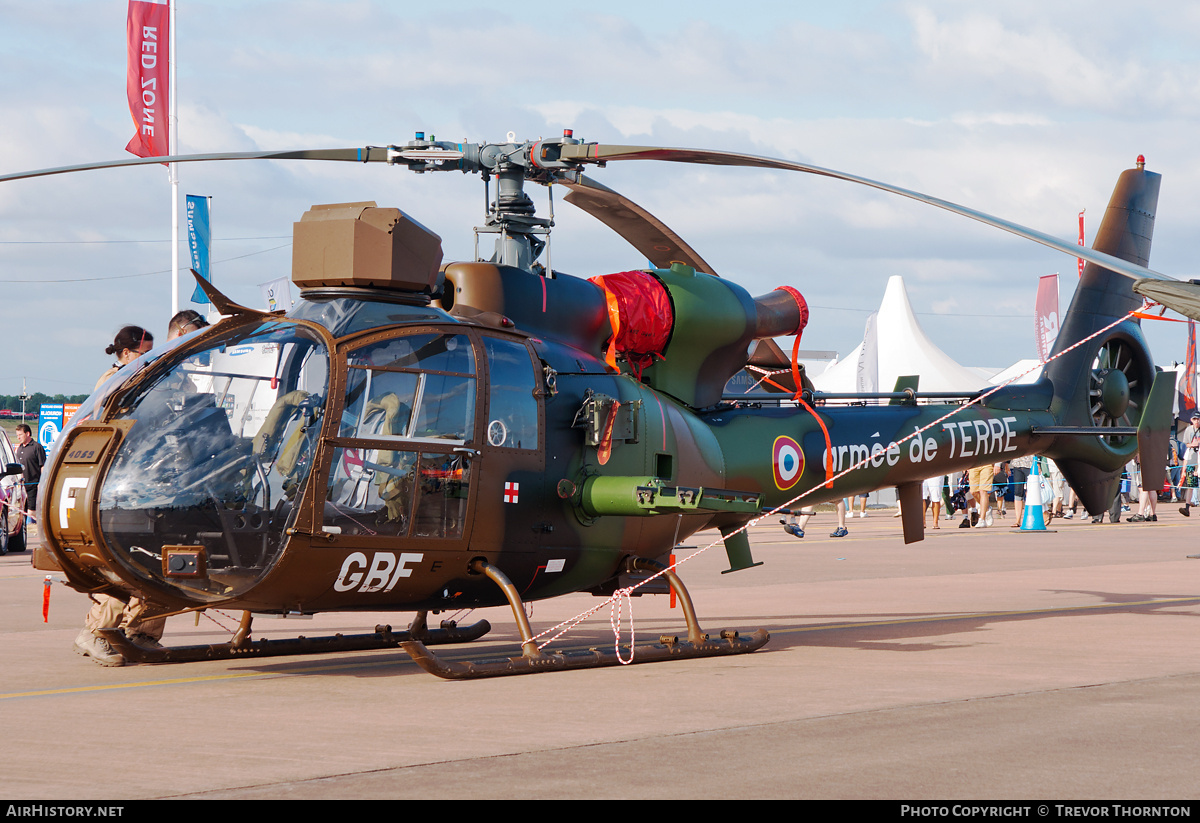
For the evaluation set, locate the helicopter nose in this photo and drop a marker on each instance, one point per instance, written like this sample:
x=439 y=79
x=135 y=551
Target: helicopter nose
x=68 y=514
x=187 y=486
x=114 y=518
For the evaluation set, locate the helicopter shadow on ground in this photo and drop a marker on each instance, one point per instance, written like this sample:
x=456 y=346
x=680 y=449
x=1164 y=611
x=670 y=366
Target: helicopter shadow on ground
x=383 y=663
x=392 y=662
x=865 y=631
x=880 y=632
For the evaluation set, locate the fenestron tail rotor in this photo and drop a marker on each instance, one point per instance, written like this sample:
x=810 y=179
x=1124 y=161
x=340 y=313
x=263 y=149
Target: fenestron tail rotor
x=1117 y=385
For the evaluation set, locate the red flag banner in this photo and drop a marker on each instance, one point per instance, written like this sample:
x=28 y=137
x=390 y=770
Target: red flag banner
x=1080 y=259
x=147 y=80
x=1045 y=315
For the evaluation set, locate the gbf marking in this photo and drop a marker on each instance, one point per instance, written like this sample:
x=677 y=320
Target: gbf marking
x=385 y=571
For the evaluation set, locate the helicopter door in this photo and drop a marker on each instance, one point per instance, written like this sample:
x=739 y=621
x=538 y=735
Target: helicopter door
x=513 y=493
x=403 y=462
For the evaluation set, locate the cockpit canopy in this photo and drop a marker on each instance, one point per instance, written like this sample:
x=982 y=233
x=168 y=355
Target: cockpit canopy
x=373 y=428
x=219 y=443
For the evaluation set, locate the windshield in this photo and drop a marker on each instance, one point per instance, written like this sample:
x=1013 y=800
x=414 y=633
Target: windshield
x=219 y=446
x=87 y=409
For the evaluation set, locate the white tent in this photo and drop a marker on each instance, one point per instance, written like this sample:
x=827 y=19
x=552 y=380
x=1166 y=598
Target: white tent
x=1025 y=371
x=898 y=346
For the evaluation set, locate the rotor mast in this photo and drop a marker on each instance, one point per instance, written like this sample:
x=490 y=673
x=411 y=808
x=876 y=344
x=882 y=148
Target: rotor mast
x=511 y=215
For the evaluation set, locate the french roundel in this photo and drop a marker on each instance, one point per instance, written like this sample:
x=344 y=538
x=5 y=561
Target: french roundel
x=787 y=462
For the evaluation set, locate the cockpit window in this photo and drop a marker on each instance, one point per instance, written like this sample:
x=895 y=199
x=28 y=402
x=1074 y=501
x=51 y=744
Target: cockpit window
x=219 y=447
x=512 y=407
x=417 y=390
x=397 y=493
x=417 y=387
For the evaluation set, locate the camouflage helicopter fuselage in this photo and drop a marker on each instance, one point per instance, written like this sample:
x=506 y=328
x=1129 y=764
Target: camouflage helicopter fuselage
x=407 y=425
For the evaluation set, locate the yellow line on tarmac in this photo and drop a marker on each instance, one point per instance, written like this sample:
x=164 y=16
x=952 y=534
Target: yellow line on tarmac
x=203 y=679
x=82 y=689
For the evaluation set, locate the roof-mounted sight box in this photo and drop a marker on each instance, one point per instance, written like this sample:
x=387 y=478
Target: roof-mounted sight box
x=362 y=245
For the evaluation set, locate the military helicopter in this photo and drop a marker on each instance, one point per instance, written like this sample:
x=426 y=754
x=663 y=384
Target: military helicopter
x=414 y=436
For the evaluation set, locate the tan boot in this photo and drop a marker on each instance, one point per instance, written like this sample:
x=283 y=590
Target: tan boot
x=97 y=648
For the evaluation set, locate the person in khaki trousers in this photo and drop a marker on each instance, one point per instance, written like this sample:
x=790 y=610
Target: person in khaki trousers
x=108 y=612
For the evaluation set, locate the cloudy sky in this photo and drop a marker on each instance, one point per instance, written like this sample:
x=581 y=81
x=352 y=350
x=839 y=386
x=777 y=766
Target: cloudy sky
x=1026 y=110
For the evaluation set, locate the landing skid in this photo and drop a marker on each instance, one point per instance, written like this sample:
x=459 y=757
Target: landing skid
x=532 y=660
x=382 y=638
x=668 y=648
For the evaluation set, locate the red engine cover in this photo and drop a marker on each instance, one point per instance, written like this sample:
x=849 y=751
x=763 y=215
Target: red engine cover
x=639 y=309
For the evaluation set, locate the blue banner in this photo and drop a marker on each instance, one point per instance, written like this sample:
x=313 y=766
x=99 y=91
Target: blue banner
x=199 y=241
x=50 y=424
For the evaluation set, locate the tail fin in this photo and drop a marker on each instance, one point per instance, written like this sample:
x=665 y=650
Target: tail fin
x=1106 y=382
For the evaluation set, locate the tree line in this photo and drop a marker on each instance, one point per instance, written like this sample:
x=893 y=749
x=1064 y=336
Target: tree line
x=12 y=402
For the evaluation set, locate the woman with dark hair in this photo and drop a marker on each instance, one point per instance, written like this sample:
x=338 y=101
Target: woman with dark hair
x=130 y=343
x=107 y=611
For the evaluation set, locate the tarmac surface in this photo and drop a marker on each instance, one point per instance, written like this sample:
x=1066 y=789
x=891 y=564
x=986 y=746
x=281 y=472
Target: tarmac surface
x=977 y=664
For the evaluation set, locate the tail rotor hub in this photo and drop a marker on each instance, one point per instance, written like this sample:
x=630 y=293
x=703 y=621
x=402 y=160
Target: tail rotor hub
x=1114 y=392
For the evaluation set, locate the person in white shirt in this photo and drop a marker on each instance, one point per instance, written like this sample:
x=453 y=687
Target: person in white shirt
x=1191 y=437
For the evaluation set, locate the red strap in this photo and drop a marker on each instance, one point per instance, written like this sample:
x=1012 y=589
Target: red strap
x=821 y=423
x=604 y=450
x=799 y=399
x=796 y=365
x=828 y=443
x=614 y=319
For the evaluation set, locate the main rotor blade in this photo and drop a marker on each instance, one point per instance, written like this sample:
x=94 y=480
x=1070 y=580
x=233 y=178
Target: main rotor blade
x=641 y=229
x=1183 y=297
x=368 y=154
x=601 y=153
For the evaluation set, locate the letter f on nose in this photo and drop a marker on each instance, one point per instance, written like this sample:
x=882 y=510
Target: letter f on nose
x=67 y=501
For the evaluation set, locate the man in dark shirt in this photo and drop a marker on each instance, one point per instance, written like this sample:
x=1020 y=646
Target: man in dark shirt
x=32 y=457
